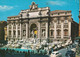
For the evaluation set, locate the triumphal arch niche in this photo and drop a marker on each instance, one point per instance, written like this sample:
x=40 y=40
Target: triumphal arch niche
x=38 y=21
x=33 y=31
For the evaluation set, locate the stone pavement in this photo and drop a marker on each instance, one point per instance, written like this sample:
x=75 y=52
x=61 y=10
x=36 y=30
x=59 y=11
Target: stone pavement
x=77 y=56
x=23 y=55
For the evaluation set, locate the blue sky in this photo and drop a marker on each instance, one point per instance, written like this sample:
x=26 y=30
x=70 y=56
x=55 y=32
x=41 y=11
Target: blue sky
x=13 y=7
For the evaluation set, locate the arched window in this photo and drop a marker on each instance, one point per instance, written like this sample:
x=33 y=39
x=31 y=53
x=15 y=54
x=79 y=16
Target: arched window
x=65 y=32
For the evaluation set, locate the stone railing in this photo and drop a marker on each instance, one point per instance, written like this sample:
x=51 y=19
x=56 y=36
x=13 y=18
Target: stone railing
x=66 y=36
x=66 y=26
x=58 y=26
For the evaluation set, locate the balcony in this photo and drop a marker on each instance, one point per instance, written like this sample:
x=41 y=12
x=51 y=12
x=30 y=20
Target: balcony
x=58 y=26
x=58 y=36
x=51 y=26
x=66 y=36
x=9 y=27
x=65 y=25
x=51 y=36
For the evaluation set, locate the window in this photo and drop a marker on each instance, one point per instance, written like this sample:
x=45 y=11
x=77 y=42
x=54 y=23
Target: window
x=58 y=13
x=24 y=32
x=24 y=25
x=58 y=21
x=14 y=24
x=18 y=32
x=65 y=12
x=58 y=32
x=65 y=32
x=43 y=32
x=14 y=32
x=51 y=32
x=51 y=24
x=10 y=27
x=9 y=32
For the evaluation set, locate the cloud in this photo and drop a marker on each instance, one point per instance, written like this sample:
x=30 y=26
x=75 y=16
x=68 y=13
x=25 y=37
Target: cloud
x=59 y=3
x=5 y=7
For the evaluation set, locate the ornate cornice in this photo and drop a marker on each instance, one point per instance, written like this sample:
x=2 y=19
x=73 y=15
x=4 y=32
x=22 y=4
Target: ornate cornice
x=69 y=18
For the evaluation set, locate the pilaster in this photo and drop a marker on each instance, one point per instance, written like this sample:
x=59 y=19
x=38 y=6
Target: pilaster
x=39 y=30
x=46 y=29
x=55 y=32
x=27 y=26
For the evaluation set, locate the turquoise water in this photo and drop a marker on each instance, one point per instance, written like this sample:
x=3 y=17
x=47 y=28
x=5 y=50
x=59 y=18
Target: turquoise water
x=21 y=53
x=18 y=49
x=25 y=50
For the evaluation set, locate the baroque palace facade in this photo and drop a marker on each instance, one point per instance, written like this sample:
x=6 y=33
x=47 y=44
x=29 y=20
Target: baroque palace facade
x=40 y=23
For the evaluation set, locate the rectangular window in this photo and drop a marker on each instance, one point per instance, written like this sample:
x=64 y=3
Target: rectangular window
x=43 y=32
x=24 y=32
x=58 y=21
x=9 y=32
x=14 y=32
x=58 y=32
x=51 y=32
x=18 y=32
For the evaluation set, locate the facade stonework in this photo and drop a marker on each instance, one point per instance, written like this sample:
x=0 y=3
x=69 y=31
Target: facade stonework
x=40 y=23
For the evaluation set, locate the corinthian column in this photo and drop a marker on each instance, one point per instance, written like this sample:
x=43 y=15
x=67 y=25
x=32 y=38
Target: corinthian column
x=27 y=30
x=16 y=30
x=62 y=25
x=20 y=31
x=39 y=26
x=55 y=33
x=12 y=31
x=69 y=26
x=46 y=29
